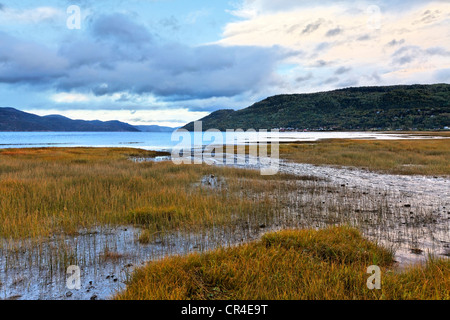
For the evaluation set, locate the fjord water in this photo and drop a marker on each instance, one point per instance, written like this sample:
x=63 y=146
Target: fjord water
x=160 y=140
x=145 y=140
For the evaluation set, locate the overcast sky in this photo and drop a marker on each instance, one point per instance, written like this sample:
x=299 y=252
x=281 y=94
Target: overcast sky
x=168 y=62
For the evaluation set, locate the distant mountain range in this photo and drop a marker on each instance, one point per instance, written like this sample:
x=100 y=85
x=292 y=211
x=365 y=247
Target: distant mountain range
x=15 y=120
x=154 y=128
x=413 y=107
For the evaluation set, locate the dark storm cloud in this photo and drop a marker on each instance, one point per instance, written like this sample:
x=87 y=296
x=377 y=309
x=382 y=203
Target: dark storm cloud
x=119 y=55
x=28 y=62
x=181 y=71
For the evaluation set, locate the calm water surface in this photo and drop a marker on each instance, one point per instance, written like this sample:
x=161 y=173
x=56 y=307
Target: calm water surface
x=160 y=140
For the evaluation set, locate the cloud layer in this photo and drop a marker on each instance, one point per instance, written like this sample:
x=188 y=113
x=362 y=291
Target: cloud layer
x=119 y=55
x=350 y=42
x=121 y=65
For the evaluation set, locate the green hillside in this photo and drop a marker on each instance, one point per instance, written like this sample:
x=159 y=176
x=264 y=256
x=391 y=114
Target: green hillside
x=412 y=107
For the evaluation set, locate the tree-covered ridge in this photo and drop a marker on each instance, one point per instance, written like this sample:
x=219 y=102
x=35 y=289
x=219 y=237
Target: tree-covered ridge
x=417 y=107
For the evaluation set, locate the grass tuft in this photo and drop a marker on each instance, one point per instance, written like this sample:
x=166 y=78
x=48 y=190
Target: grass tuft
x=306 y=264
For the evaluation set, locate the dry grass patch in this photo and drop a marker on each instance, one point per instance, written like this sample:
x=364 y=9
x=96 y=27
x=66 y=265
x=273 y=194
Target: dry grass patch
x=425 y=157
x=306 y=264
x=47 y=191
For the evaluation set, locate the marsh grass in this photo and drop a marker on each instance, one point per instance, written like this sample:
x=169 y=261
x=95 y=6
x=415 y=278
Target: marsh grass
x=48 y=195
x=46 y=192
x=407 y=157
x=61 y=190
x=307 y=264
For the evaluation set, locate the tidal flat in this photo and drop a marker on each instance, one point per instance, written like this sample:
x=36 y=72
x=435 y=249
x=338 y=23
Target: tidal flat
x=95 y=208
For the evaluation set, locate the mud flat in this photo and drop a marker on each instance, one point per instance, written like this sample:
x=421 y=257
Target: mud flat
x=31 y=270
x=410 y=213
x=417 y=217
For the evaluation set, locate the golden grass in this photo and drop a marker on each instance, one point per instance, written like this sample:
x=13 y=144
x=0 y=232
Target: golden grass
x=424 y=157
x=52 y=190
x=307 y=264
x=48 y=191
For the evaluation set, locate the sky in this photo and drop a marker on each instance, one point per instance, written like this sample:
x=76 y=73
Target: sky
x=169 y=62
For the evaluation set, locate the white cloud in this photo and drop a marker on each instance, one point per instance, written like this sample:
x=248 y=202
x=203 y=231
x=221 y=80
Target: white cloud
x=70 y=97
x=34 y=15
x=168 y=117
x=344 y=34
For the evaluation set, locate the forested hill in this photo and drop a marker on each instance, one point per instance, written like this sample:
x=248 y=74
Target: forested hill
x=421 y=107
x=16 y=120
